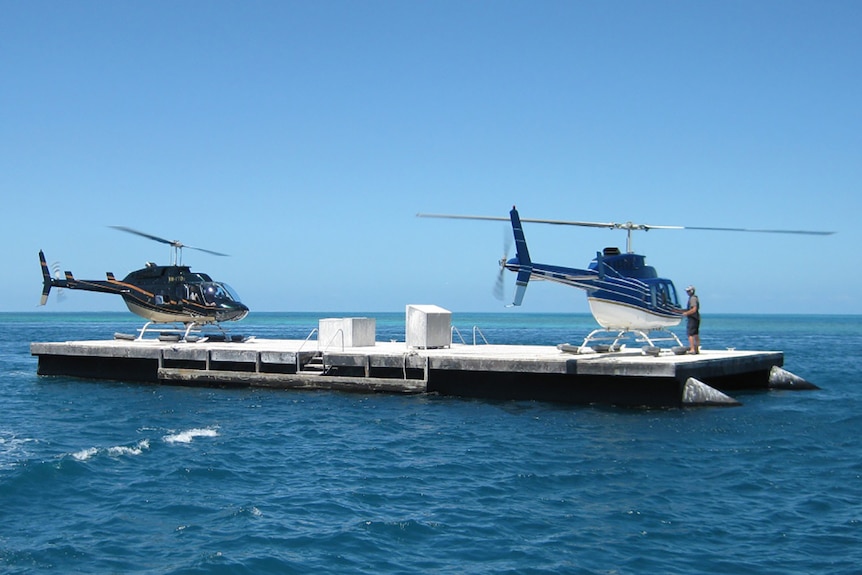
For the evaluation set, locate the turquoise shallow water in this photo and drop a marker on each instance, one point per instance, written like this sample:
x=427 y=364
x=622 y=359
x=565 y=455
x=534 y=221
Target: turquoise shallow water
x=111 y=477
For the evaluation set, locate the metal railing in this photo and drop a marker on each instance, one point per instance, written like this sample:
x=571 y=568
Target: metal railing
x=476 y=330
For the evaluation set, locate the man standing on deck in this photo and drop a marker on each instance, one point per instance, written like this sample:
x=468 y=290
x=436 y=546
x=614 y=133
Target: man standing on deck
x=692 y=312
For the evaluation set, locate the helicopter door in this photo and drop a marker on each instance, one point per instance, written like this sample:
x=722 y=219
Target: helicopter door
x=193 y=293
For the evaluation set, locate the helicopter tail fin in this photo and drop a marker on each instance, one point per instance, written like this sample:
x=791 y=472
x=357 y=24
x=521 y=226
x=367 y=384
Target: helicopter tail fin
x=523 y=255
x=46 y=279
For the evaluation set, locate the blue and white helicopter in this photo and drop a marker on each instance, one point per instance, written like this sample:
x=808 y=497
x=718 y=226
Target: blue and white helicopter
x=625 y=295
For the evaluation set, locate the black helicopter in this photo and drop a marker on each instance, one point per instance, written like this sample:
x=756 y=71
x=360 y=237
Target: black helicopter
x=161 y=294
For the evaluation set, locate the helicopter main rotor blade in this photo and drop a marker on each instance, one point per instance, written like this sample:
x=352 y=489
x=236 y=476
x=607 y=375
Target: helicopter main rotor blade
x=207 y=251
x=626 y=226
x=804 y=232
x=502 y=219
x=173 y=243
x=608 y=225
x=148 y=236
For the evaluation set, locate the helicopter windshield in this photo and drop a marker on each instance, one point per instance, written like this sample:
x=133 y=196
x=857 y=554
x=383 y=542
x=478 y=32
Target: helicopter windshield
x=215 y=293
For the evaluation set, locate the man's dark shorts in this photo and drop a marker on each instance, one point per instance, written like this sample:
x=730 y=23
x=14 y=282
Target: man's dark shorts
x=693 y=327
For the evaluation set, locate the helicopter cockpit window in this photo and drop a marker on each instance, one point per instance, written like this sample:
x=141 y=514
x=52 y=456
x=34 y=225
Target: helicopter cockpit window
x=215 y=293
x=667 y=295
x=671 y=291
x=663 y=295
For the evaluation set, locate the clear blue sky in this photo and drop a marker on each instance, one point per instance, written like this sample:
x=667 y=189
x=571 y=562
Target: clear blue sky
x=303 y=137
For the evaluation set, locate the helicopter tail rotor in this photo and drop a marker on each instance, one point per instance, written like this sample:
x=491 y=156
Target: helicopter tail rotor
x=507 y=249
x=498 y=285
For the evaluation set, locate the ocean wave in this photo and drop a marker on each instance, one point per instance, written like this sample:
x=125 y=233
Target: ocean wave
x=190 y=434
x=13 y=448
x=115 y=451
x=136 y=449
x=11 y=441
x=85 y=454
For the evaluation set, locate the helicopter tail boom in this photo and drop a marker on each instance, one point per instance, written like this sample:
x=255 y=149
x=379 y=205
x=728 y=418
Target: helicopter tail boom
x=69 y=281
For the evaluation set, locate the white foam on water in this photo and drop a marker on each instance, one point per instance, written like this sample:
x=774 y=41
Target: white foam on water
x=13 y=448
x=188 y=435
x=85 y=454
x=137 y=449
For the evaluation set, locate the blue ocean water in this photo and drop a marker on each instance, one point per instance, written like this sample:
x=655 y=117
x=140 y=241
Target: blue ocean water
x=114 y=477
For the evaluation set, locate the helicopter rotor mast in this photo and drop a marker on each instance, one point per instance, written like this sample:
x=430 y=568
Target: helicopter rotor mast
x=176 y=245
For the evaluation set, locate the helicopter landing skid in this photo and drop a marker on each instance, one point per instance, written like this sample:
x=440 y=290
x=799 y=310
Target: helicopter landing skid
x=173 y=331
x=616 y=336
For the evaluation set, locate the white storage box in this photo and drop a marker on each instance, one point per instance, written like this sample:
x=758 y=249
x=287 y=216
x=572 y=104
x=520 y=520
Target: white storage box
x=428 y=326
x=335 y=333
